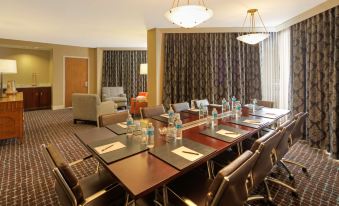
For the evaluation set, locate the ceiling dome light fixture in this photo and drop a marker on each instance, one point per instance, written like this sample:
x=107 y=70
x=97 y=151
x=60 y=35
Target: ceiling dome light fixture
x=188 y=15
x=253 y=37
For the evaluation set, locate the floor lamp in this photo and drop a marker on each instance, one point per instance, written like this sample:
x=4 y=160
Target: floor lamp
x=6 y=66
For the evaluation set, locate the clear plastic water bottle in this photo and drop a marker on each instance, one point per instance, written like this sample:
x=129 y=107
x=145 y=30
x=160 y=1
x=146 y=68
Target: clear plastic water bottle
x=171 y=132
x=254 y=104
x=205 y=111
x=201 y=111
x=170 y=115
x=237 y=110
x=233 y=101
x=214 y=118
x=137 y=132
x=178 y=126
x=224 y=107
x=150 y=135
x=144 y=138
x=129 y=123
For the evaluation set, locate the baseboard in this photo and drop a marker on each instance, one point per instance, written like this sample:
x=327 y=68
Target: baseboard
x=58 y=107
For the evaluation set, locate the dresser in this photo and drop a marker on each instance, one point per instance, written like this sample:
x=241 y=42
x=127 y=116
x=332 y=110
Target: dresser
x=11 y=117
x=36 y=97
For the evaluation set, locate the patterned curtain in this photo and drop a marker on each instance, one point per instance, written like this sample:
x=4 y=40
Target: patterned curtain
x=210 y=65
x=315 y=77
x=122 y=68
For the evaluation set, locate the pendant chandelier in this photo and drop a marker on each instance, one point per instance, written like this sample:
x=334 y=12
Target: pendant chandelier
x=188 y=15
x=253 y=37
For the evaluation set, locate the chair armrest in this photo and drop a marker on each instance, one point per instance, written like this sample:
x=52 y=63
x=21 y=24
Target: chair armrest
x=79 y=160
x=122 y=95
x=106 y=108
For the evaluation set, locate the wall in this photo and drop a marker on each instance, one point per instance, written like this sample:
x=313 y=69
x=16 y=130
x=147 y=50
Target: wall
x=28 y=61
x=58 y=52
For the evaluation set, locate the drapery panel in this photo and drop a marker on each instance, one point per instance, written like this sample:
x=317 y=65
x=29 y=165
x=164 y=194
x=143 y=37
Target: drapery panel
x=315 y=77
x=122 y=68
x=209 y=65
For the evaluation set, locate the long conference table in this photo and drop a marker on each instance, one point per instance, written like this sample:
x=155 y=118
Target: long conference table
x=145 y=172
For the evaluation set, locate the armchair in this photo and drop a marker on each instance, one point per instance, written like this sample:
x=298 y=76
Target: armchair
x=89 y=107
x=115 y=94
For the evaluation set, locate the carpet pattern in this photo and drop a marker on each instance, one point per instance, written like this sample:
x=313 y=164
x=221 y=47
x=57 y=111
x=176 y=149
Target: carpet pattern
x=26 y=180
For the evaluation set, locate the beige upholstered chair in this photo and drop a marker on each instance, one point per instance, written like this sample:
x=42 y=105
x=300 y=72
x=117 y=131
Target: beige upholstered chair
x=147 y=112
x=96 y=189
x=113 y=118
x=115 y=94
x=88 y=107
x=178 y=107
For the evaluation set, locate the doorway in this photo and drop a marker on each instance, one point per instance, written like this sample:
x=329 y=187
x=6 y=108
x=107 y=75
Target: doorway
x=76 y=77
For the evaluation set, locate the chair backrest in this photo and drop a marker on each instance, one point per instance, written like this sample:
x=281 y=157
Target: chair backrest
x=229 y=186
x=266 y=158
x=296 y=133
x=263 y=103
x=112 y=91
x=113 y=118
x=204 y=102
x=178 y=107
x=147 y=112
x=67 y=185
x=283 y=146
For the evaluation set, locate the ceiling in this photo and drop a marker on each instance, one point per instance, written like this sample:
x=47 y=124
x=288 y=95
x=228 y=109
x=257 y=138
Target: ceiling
x=124 y=23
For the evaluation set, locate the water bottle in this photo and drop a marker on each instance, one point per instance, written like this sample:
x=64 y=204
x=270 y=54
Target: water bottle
x=129 y=123
x=137 y=132
x=214 y=118
x=144 y=138
x=192 y=104
x=224 y=107
x=171 y=132
x=238 y=110
x=170 y=115
x=254 y=104
x=233 y=101
x=201 y=111
x=178 y=126
x=205 y=111
x=150 y=135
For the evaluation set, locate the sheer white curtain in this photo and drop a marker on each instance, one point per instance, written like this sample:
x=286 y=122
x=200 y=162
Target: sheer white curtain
x=275 y=68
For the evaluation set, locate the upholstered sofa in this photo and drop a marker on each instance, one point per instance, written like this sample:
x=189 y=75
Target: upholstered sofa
x=115 y=94
x=89 y=107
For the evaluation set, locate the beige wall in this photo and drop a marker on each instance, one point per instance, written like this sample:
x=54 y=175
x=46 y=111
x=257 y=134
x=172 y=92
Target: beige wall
x=58 y=52
x=28 y=62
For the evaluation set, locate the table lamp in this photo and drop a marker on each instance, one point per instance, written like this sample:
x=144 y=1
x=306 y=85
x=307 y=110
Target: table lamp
x=143 y=69
x=7 y=66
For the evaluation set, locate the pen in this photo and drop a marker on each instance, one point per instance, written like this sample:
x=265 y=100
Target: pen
x=187 y=152
x=107 y=147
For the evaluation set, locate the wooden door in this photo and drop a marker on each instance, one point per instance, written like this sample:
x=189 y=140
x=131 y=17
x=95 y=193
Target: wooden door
x=76 y=78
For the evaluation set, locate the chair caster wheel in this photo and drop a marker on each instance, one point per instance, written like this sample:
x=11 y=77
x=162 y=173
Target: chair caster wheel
x=290 y=177
x=304 y=169
x=295 y=194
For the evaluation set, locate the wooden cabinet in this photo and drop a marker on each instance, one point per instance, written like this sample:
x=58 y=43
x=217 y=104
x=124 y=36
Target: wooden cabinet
x=36 y=98
x=11 y=117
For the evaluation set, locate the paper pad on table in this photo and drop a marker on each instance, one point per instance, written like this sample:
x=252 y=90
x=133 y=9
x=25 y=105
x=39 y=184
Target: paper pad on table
x=194 y=110
x=122 y=125
x=190 y=157
x=252 y=121
x=228 y=133
x=165 y=115
x=102 y=149
x=271 y=115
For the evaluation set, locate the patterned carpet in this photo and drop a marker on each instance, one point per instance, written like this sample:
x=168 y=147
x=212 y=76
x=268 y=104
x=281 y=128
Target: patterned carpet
x=25 y=179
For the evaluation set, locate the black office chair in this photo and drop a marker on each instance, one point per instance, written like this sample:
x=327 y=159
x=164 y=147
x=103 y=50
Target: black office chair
x=229 y=188
x=97 y=189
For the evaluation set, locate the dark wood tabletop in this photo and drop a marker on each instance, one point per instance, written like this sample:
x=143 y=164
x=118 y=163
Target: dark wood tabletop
x=143 y=172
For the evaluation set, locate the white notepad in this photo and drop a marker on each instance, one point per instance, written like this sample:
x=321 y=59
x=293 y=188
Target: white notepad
x=165 y=115
x=109 y=147
x=194 y=110
x=191 y=157
x=254 y=121
x=123 y=125
x=228 y=133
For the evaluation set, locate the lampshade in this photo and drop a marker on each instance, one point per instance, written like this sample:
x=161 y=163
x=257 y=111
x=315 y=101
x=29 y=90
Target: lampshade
x=7 y=66
x=253 y=37
x=143 y=69
x=188 y=16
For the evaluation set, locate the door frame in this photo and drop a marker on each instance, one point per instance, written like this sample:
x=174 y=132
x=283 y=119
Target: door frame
x=64 y=75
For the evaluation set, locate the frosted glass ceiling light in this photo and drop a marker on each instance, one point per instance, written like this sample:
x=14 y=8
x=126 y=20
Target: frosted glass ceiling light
x=253 y=37
x=188 y=15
